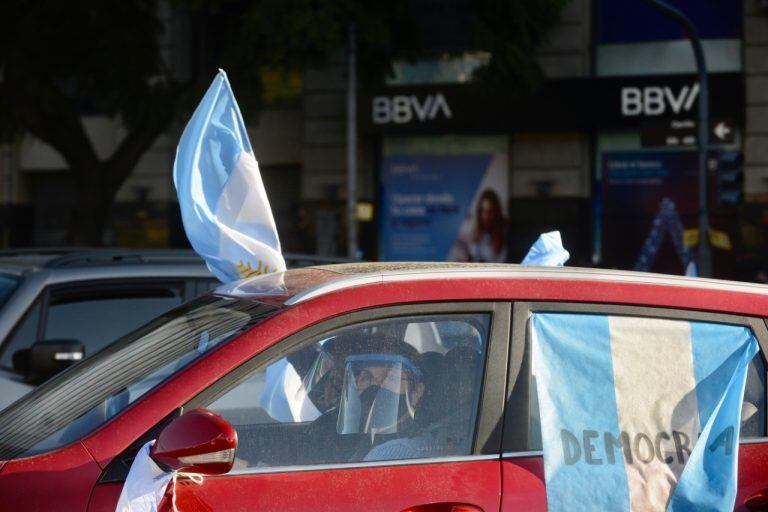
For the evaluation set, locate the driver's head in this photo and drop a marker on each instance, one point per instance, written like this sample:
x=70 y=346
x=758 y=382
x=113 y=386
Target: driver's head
x=381 y=390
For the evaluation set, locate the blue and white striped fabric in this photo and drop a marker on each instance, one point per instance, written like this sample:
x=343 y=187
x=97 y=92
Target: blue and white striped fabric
x=223 y=203
x=639 y=414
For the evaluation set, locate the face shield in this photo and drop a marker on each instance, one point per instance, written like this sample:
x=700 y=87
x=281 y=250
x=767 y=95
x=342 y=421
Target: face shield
x=378 y=394
x=321 y=381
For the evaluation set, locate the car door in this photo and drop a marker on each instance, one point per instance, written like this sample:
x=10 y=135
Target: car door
x=300 y=447
x=523 y=465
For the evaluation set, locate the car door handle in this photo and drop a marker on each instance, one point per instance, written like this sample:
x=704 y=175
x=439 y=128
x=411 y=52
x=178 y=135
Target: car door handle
x=444 y=507
x=758 y=501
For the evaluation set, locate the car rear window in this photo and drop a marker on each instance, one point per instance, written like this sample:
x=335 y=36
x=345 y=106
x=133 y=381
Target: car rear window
x=89 y=394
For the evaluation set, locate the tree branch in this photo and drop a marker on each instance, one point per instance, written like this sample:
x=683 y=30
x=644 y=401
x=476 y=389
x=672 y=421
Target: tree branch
x=55 y=121
x=140 y=137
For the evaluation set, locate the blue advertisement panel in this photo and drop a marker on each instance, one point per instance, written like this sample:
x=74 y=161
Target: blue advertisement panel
x=438 y=207
x=648 y=200
x=627 y=21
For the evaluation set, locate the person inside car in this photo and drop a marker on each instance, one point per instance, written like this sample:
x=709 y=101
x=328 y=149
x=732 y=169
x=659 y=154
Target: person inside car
x=370 y=395
x=381 y=399
x=438 y=426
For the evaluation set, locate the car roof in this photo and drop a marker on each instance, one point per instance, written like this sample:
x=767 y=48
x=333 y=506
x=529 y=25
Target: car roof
x=19 y=261
x=301 y=285
x=57 y=258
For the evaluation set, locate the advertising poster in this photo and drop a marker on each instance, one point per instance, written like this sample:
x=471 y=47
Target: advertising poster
x=649 y=200
x=444 y=198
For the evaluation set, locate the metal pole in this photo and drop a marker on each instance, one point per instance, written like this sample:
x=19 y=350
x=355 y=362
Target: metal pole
x=704 y=257
x=351 y=145
x=8 y=171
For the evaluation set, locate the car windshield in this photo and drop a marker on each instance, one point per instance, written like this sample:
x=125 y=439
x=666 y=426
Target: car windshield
x=8 y=284
x=79 y=400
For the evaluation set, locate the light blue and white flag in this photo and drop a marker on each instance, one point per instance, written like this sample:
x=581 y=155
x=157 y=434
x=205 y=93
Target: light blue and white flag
x=639 y=414
x=224 y=206
x=284 y=396
x=547 y=251
x=145 y=484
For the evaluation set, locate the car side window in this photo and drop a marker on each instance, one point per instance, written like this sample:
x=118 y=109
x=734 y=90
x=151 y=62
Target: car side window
x=97 y=316
x=753 y=412
x=393 y=389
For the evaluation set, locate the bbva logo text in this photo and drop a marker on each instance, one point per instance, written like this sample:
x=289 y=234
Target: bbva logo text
x=402 y=109
x=655 y=100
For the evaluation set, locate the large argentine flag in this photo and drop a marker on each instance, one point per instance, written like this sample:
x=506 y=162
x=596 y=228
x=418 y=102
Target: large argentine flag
x=223 y=203
x=639 y=414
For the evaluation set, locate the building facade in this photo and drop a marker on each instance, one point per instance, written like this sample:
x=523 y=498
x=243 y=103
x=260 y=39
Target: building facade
x=603 y=150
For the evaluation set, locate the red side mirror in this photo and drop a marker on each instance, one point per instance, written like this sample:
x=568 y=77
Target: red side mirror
x=198 y=442
x=444 y=507
x=758 y=501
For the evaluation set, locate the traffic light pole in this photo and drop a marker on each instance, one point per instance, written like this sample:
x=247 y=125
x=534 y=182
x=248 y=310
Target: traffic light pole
x=704 y=257
x=352 y=248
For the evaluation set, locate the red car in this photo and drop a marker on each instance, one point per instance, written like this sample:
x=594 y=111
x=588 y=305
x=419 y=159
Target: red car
x=385 y=387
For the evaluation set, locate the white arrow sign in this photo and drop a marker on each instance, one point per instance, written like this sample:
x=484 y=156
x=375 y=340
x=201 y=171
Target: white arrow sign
x=722 y=130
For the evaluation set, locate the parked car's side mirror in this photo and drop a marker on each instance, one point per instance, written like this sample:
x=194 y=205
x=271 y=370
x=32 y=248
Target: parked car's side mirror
x=47 y=358
x=200 y=441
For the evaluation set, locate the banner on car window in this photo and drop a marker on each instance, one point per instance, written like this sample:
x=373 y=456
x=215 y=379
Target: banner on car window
x=638 y=413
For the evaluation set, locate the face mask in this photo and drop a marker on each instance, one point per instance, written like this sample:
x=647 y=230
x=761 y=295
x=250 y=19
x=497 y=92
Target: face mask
x=350 y=412
x=376 y=396
x=389 y=413
x=367 y=397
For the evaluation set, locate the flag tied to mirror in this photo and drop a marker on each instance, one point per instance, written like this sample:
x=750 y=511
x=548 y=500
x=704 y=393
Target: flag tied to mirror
x=224 y=205
x=145 y=484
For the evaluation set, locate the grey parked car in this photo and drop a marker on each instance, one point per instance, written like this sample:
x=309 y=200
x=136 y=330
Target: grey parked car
x=59 y=306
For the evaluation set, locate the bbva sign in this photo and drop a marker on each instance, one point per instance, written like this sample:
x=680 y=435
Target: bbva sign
x=403 y=109
x=655 y=100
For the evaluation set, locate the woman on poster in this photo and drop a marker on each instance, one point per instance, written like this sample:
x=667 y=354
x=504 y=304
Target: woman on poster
x=483 y=241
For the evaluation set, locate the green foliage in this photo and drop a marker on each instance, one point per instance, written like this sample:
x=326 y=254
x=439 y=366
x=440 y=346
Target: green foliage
x=81 y=56
x=512 y=31
x=61 y=60
x=291 y=35
x=78 y=56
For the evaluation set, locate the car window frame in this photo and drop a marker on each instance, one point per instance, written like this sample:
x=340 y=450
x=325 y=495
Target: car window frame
x=4 y=343
x=50 y=291
x=486 y=442
x=186 y=286
x=117 y=284
x=517 y=408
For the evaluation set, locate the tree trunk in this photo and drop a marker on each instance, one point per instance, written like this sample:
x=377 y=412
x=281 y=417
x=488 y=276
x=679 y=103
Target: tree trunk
x=93 y=200
x=98 y=182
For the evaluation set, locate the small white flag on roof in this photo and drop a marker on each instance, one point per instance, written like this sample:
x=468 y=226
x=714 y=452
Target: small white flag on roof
x=547 y=251
x=223 y=203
